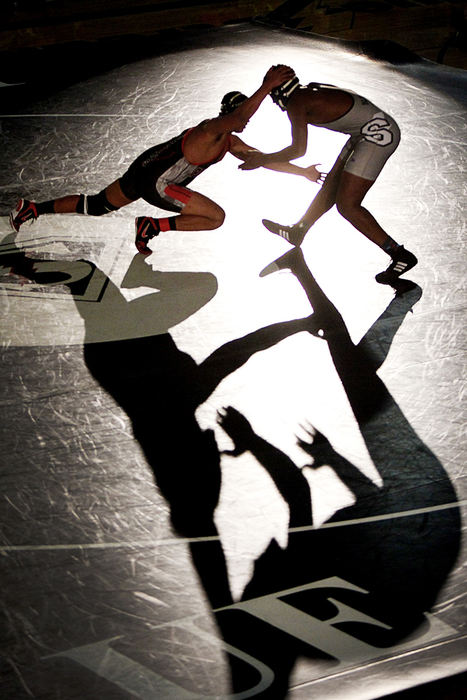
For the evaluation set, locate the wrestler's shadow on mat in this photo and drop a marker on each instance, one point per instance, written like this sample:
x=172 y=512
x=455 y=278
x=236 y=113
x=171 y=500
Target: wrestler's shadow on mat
x=159 y=386
x=390 y=570
x=400 y=563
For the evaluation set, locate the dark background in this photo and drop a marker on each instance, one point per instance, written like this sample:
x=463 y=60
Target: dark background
x=54 y=41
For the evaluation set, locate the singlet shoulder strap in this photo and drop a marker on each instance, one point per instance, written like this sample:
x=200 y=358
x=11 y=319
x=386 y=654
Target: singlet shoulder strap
x=318 y=86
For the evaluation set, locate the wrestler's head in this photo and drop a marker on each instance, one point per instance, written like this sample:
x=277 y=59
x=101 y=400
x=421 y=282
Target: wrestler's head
x=229 y=106
x=282 y=94
x=231 y=101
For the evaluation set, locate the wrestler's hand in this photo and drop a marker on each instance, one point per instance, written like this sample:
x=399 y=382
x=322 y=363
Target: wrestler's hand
x=277 y=75
x=253 y=161
x=313 y=174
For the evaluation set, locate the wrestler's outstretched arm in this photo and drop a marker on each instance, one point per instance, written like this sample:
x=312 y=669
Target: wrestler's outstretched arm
x=273 y=78
x=235 y=121
x=242 y=151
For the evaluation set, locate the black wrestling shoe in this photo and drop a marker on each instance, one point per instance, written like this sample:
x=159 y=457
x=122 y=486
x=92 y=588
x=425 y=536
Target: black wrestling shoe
x=145 y=228
x=402 y=261
x=25 y=211
x=292 y=234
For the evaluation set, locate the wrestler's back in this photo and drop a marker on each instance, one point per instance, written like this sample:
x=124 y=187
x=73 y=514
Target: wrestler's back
x=325 y=104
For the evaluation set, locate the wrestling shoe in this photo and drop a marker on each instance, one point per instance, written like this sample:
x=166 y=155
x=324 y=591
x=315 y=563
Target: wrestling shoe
x=292 y=234
x=402 y=261
x=25 y=211
x=146 y=228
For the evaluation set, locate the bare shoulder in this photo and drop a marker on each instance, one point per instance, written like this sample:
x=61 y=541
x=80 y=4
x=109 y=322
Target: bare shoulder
x=215 y=126
x=205 y=133
x=204 y=141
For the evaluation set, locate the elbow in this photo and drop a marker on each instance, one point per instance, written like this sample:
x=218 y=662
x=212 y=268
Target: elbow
x=300 y=151
x=296 y=152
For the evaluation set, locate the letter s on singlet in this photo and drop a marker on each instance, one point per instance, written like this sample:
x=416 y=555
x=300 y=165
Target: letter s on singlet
x=376 y=131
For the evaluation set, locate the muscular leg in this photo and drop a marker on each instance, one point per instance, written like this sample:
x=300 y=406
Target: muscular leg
x=325 y=199
x=351 y=191
x=113 y=193
x=69 y=203
x=199 y=213
x=115 y=196
x=349 y=196
x=347 y=191
x=108 y=200
x=62 y=205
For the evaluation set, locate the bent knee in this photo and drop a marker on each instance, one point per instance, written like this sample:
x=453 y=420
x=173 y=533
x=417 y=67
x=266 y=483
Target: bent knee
x=346 y=209
x=95 y=204
x=217 y=217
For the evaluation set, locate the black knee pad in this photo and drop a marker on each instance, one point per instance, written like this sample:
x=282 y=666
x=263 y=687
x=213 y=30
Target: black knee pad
x=94 y=204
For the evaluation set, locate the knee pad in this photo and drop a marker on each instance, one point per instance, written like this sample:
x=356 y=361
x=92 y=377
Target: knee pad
x=94 y=204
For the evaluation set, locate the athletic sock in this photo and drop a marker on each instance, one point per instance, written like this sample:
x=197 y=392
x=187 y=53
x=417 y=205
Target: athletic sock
x=390 y=246
x=167 y=224
x=45 y=207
